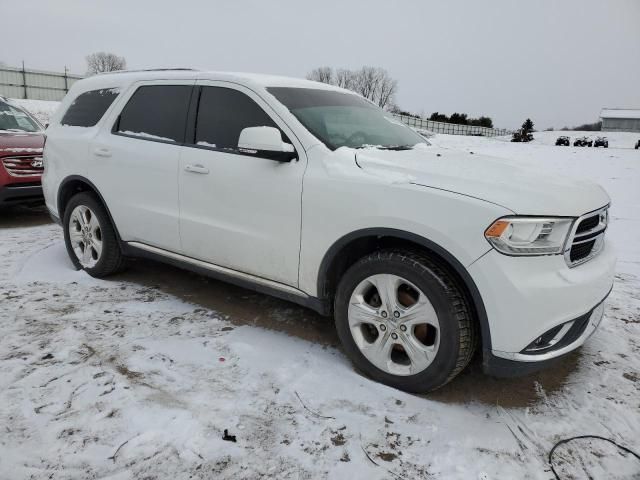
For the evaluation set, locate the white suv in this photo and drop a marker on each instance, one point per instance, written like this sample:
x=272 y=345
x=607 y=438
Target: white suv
x=311 y=193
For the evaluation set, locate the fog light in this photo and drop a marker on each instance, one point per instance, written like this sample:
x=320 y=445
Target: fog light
x=546 y=340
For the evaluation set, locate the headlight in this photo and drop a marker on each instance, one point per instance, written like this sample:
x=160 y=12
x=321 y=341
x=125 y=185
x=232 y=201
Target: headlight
x=529 y=235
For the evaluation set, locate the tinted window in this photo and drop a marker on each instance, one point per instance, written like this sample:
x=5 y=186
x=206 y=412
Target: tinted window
x=88 y=108
x=156 y=112
x=223 y=113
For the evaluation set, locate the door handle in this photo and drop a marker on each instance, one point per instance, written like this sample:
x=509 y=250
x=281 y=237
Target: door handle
x=196 y=169
x=102 y=152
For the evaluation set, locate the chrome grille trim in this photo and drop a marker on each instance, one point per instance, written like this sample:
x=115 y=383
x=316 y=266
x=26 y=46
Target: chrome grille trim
x=21 y=166
x=595 y=234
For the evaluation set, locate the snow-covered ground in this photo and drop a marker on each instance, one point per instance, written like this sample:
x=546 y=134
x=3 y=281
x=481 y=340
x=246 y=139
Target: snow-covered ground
x=139 y=376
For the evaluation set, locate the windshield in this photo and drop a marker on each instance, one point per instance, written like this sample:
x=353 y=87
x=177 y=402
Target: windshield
x=345 y=120
x=13 y=119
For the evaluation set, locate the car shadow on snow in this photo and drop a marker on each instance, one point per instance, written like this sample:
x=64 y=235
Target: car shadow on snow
x=474 y=386
x=235 y=304
x=19 y=216
x=244 y=307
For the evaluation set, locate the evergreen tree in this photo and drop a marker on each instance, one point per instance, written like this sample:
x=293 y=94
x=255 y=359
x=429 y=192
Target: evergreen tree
x=527 y=126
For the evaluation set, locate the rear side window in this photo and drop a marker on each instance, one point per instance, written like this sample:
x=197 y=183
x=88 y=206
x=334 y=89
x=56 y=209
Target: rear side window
x=223 y=113
x=156 y=112
x=88 y=108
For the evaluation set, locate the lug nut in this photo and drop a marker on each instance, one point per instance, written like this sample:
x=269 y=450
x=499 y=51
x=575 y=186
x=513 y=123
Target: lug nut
x=396 y=314
x=384 y=314
x=394 y=336
x=383 y=327
x=403 y=328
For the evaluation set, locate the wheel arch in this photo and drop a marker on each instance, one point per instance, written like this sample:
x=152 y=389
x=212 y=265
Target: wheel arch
x=353 y=246
x=75 y=184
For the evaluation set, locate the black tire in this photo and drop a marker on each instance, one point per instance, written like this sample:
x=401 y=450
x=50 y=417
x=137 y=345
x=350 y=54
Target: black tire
x=111 y=259
x=458 y=330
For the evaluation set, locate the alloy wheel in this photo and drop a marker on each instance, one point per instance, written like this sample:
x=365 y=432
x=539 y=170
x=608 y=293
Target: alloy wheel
x=394 y=324
x=85 y=234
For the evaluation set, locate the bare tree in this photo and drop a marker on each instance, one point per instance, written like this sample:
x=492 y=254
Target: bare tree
x=376 y=84
x=321 y=74
x=373 y=83
x=344 y=78
x=366 y=82
x=386 y=89
x=100 y=62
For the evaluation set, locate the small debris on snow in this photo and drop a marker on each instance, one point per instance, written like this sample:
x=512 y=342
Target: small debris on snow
x=228 y=438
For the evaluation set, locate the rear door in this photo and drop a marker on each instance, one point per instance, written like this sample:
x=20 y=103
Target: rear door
x=134 y=162
x=238 y=210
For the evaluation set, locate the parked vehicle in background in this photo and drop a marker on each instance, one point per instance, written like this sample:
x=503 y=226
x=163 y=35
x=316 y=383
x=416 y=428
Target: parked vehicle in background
x=422 y=254
x=601 y=142
x=21 y=142
x=521 y=136
x=583 y=142
x=637 y=144
x=563 y=140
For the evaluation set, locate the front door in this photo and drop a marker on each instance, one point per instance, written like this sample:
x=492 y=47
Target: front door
x=237 y=210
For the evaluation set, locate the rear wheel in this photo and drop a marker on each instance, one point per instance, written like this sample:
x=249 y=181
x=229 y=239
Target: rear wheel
x=90 y=238
x=403 y=320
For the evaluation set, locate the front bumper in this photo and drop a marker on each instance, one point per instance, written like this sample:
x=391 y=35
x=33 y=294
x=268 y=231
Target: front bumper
x=508 y=364
x=19 y=193
x=529 y=298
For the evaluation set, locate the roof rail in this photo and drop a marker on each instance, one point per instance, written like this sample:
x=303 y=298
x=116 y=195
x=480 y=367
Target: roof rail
x=151 y=70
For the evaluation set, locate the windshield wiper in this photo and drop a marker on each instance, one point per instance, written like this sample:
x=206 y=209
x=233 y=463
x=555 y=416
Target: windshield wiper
x=395 y=147
x=386 y=147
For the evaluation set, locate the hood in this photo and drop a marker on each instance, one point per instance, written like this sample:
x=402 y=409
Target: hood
x=12 y=143
x=523 y=191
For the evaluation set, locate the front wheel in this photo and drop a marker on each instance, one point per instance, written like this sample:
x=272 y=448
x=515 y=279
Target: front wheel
x=90 y=238
x=403 y=321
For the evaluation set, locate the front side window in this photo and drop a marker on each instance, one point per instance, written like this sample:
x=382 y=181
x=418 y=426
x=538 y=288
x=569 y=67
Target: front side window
x=13 y=119
x=223 y=113
x=156 y=112
x=88 y=108
x=340 y=119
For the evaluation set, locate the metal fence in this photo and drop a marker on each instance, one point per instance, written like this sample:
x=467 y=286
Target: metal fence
x=451 y=128
x=35 y=84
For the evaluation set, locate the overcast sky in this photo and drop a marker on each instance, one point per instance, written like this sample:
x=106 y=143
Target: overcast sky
x=557 y=61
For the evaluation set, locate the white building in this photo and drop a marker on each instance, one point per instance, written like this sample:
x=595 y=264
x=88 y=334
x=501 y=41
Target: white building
x=620 y=120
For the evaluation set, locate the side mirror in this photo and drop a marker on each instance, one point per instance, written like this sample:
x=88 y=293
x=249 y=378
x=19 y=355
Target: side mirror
x=265 y=142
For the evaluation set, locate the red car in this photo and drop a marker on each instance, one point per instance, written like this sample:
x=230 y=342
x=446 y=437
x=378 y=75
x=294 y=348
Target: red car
x=21 y=142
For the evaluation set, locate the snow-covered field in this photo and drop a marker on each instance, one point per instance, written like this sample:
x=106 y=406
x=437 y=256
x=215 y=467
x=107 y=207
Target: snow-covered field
x=139 y=376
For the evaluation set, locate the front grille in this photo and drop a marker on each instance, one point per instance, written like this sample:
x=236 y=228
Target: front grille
x=587 y=238
x=581 y=250
x=588 y=224
x=23 y=166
